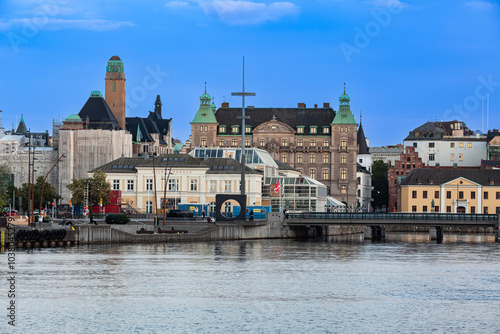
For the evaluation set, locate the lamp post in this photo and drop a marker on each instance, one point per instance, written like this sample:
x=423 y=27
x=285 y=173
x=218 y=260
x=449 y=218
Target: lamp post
x=45 y=179
x=165 y=194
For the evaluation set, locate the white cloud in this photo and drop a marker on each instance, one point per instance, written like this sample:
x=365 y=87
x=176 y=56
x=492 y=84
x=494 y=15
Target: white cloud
x=58 y=24
x=479 y=4
x=177 y=4
x=248 y=12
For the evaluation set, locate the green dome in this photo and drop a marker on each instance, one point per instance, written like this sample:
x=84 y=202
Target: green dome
x=344 y=97
x=205 y=96
x=73 y=118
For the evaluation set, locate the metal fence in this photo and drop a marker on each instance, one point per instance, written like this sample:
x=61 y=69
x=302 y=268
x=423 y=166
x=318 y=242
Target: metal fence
x=394 y=216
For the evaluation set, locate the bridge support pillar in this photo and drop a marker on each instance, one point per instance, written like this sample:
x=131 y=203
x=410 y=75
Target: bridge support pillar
x=436 y=233
x=375 y=232
x=497 y=230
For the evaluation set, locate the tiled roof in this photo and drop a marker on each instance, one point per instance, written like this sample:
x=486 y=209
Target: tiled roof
x=97 y=112
x=440 y=176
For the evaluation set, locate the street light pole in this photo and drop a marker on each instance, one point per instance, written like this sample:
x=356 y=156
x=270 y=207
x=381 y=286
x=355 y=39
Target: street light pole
x=45 y=179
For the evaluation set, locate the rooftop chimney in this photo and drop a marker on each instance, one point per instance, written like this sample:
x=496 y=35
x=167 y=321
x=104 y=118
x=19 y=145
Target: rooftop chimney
x=326 y=105
x=225 y=105
x=301 y=105
x=315 y=106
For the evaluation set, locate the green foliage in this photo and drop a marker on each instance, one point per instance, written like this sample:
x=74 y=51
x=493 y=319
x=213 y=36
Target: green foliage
x=380 y=184
x=49 y=194
x=98 y=188
x=4 y=184
x=117 y=219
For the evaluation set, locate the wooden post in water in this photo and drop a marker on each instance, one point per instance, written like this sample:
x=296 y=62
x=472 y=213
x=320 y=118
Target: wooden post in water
x=497 y=229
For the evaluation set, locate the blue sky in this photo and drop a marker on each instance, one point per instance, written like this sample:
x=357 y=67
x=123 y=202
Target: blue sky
x=404 y=62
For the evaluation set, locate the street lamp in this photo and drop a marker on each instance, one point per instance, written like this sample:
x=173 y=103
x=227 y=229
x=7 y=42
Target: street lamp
x=45 y=179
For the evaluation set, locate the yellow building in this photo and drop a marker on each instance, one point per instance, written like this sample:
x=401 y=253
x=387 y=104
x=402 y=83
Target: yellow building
x=450 y=191
x=180 y=179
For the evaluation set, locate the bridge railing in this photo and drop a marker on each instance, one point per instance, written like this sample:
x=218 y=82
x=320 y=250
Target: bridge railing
x=392 y=216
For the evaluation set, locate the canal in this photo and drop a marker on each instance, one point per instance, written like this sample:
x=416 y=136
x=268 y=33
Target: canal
x=406 y=284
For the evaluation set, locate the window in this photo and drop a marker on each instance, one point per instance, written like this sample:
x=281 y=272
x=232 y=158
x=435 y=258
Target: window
x=425 y=194
x=326 y=130
x=173 y=185
x=452 y=145
x=193 y=185
x=497 y=210
x=326 y=143
x=149 y=184
x=460 y=194
x=448 y=209
x=227 y=186
x=203 y=141
x=452 y=157
x=130 y=185
x=414 y=144
x=473 y=195
x=313 y=129
x=498 y=195
x=436 y=194
x=414 y=194
x=247 y=142
x=300 y=129
x=343 y=189
x=312 y=173
x=284 y=158
x=431 y=157
x=300 y=142
x=473 y=209
x=222 y=142
x=313 y=143
x=485 y=195
x=284 y=142
x=262 y=142
x=485 y=210
x=343 y=174
x=448 y=194
x=461 y=145
x=413 y=208
x=234 y=129
x=460 y=157
x=436 y=208
x=326 y=175
x=325 y=158
x=248 y=129
x=222 y=129
x=431 y=145
x=469 y=145
x=299 y=158
x=312 y=159
x=213 y=186
x=343 y=159
x=116 y=184
x=343 y=142
x=424 y=208
x=234 y=142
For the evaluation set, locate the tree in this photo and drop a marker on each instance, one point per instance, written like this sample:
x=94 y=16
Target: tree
x=380 y=185
x=49 y=194
x=98 y=188
x=4 y=184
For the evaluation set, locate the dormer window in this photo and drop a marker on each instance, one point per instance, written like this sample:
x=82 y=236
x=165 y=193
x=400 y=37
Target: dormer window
x=300 y=129
x=313 y=129
x=248 y=129
x=235 y=129
x=326 y=130
x=222 y=129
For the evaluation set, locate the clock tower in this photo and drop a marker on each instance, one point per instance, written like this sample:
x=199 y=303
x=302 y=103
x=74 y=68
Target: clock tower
x=204 y=124
x=115 y=89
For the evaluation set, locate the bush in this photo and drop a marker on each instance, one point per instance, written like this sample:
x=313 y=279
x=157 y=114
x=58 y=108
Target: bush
x=46 y=219
x=117 y=219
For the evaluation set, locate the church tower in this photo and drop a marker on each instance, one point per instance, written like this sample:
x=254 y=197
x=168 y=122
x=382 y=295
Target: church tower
x=344 y=142
x=115 y=89
x=204 y=124
x=158 y=106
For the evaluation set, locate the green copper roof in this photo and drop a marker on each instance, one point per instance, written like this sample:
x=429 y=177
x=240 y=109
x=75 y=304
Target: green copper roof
x=95 y=93
x=344 y=114
x=115 y=64
x=73 y=118
x=205 y=113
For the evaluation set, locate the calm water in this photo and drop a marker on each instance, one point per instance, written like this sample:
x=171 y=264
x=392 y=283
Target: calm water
x=405 y=285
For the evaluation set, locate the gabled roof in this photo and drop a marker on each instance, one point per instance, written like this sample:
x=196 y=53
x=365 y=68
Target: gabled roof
x=435 y=130
x=440 y=176
x=293 y=117
x=226 y=166
x=135 y=123
x=363 y=146
x=96 y=111
x=120 y=165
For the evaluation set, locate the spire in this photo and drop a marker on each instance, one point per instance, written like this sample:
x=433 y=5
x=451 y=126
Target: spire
x=344 y=88
x=158 y=106
x=205 y=113
x=344 y=115
x=138 y=136
x=205 y=87
x=21 y=128
x=362 y=143
x=360 y=117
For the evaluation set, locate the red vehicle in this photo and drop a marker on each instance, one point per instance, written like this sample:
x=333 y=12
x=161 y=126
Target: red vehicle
x=12 y=213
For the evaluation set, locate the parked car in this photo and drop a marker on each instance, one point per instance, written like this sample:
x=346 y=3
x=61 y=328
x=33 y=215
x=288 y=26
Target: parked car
x=12 y=213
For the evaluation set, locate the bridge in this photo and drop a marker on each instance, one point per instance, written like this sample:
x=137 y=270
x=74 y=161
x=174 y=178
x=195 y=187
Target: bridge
x=378 y=221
